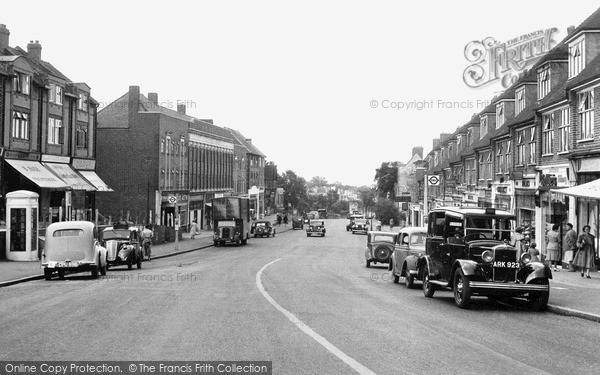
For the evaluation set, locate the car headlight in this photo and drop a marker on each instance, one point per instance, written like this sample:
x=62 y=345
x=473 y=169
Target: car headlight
x=525 y=258
x=487 y=256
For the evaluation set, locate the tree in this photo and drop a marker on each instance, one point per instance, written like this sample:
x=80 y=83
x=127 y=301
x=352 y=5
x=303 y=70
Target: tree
x=318 y=181
x=294 y=190
x=386 y=209
x=367 y=197
x=386 y=177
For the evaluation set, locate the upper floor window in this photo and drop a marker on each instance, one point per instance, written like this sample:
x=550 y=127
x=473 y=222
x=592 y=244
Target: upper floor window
x=56 y=94
x=458 y=142
x=532 y=148
x=543 y=81
x=82 y=103
x=564 y=129
x=499 y=157
x=586 y=114
x=521 y=147
x=55 y=131
x=82 y=138
x=20 y=125
x=499 y=115
x=520 y=100
x=469 y=137
x=577 y=57
x=22 y=83
x=548 y=133
x=507 y=157
x=483 y=126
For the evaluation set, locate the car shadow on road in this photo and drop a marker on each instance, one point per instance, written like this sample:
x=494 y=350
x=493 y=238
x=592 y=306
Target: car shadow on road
x=482 y=303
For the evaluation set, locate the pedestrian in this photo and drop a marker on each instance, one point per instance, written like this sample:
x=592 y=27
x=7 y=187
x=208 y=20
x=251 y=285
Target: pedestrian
x=194 y=229
x=517 y=241
x=586 y=251
x=569 y=246
x=278 y=219
x=391 y=223
x=553 y=247
x=534 y=252
x=285 y=219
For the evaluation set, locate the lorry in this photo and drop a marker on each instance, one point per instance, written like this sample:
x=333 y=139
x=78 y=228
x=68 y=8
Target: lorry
x=231 y=220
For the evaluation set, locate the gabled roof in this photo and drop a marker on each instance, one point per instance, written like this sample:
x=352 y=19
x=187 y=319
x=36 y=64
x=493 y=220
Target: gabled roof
x=590 y=23
x=248 y=145
x=590 y=73
x=39 y=65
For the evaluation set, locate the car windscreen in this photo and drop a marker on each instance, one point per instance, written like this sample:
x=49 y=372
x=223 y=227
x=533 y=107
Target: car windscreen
x=418 y=238
x=383 y=238
x=316 y=222
x=263 y=224
x=489 y=227
x=115 y=234
x=360 y=221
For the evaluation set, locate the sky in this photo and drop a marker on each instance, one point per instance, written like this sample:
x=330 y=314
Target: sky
x=323 y=88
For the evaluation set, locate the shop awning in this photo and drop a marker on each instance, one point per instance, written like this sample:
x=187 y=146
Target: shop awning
x=69 y=175
x=38 y=174
x=589 y=190
x=92 y=177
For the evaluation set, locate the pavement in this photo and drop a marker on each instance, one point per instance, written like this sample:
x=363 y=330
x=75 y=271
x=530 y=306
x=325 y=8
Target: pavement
x=570 y=294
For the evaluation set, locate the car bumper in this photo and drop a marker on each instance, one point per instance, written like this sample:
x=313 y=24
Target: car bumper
x=479 y=285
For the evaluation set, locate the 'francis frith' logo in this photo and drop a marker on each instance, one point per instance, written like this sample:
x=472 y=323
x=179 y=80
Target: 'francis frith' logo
x=505 y=62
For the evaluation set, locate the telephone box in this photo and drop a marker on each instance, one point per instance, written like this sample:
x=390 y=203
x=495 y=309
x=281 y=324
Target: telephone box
x=22 y=225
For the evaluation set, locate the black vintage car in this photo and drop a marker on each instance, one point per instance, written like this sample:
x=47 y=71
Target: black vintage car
x=298 y=223
x=122 y=242
x=467 y=251
x=262 y=228
x=316 y=227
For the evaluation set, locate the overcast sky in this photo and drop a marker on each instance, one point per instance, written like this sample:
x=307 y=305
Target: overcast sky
x=298 y=78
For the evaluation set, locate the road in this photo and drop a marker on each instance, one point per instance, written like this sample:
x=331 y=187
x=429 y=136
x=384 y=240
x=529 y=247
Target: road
x=308 y=304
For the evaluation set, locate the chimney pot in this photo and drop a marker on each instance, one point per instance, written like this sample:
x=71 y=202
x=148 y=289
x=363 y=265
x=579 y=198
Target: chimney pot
x=4 y=36
x=181 y=108
x=153 y=97
x=34 y=50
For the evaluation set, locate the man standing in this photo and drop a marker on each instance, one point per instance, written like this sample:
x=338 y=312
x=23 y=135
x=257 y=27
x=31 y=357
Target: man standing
x=569 y=246
x=391 y=223
x=193 y=229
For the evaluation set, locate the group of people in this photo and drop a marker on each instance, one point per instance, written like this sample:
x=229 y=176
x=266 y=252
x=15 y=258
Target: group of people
x=578 y=250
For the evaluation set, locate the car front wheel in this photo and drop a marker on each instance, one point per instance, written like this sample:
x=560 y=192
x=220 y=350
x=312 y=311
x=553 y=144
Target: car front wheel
x=539 y=300
x=462 y=289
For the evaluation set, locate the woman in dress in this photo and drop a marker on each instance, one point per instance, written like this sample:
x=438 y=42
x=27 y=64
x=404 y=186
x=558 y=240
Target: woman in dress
x=586 y=253
x=553 y=247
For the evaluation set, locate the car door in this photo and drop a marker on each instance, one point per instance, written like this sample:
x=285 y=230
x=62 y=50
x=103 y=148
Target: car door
x=400 y=251
x=434 y=244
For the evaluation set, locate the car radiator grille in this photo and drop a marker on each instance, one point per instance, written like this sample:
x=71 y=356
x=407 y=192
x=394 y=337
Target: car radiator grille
x=505 y=273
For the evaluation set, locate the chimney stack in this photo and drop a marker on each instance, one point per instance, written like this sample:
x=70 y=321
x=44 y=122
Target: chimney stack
x=249 y=140
x=34 y=50
x=153 y=97
x=417 y=151
x=181 y=108
x=570 y=30
x=4 y=36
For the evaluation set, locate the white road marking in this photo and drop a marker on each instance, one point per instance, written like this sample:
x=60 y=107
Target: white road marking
x=306 y=329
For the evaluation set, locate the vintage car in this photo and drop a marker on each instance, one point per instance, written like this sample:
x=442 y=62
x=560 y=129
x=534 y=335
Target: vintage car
x=262 y=228
x=71 y=246
x=317 y=227
x=297 y=223
x=360 y=226
x=352 y=218
x=467 y=251
x=407 y=252
x=122 y=242
x=380 y=246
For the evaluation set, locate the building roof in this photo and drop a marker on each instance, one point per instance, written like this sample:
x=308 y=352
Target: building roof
x=245 y=142
x=590 y=23
x=590 y=73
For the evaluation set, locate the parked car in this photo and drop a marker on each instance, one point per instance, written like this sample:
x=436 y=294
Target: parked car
x=360 y=226
x=262 y=228
x=71 y=246
x=317 y=227
x=352 y=218
x=298 y=223
x=407 y=252
x=380 y=246
x=467 y=252
x=122 y=242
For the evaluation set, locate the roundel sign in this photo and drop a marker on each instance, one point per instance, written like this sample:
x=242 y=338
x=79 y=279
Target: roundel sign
x=172 y=199
x=433 y=180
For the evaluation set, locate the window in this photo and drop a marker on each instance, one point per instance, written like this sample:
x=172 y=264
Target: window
x=520 y=98
x=507 y=157
x=586 y=114
x=469 y=137
x=22 y=83
x=488 y=171
x=82 y=103
x=82 y=139
x=458 y=142
x=532 y=150
x=543 y=81
x=520 y=148
x=499 y=157
x=499 y=115
x=20 y=125
x=470 y=171
x=55 y=131
x=564 y=129
x=548 y=133
x=483 y=125
x=481 y=167
x=577 y=57
x=56 y=96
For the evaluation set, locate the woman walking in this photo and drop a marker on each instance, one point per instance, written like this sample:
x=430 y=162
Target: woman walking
x=553 y=247
x=586 y=253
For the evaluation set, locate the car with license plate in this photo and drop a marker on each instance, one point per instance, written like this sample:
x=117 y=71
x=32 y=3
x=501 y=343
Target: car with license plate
x=407 y=252
x=122 y=242
x=70 y=246
x=467 y=251
x=380 y=246
x=360 y=226
x=316 y=227
x=262 y=228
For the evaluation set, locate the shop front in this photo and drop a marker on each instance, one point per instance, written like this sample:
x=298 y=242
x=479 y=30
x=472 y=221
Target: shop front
x=554 y=208
x=525 y=210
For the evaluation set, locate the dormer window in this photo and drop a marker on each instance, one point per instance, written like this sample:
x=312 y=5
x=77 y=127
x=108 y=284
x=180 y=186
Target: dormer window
x=483 y=125
x=56 y=94
x=499 y=115
x=458 y=141
x=543 y=81
x=520 y=100
x=577 y=57
x=469 y=137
